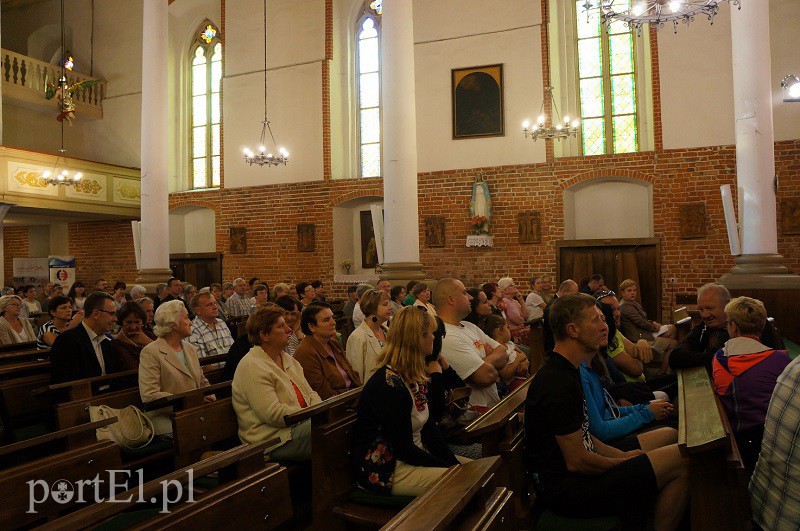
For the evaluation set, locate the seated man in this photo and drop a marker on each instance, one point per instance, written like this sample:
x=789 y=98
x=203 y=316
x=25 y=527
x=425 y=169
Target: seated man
x=565 y=288
x=596 y=282
x=576 y=474
x=210 y=334
x=705 y=339
x=474 y=356
x=352 y=300
x=745 y=372
x=775 y=483
x=80 y=352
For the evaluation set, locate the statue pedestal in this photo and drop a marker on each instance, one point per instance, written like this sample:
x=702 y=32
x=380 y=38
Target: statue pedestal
x=480 y=240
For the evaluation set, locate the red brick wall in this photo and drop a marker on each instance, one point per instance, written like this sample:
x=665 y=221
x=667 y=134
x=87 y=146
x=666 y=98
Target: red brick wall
x=15 y=245
x=102 y=250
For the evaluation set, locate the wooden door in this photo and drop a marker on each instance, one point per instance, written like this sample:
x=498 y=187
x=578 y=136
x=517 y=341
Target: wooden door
x=198 y=269
x=617 y=259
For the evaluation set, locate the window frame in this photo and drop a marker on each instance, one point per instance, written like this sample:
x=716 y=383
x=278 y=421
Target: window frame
x=367 y=13
x=208 y=48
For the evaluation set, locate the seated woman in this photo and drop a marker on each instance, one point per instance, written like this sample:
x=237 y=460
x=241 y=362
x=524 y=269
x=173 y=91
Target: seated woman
x=516 y=311
x=269 y=384
x=396 y=297
x=366 y=342
x=617 y=425
x=324 y=365
x=169 y=365
x=634 y=323
x=280 y=289
x=120 y=297
x=77 y=294
x=31 y=304
x=495 y=298
x=745 y=373
x=478 y=306
x=516 y=371
x=293 y=308
x=260 y=296
x=128 y=343
x=61 y=318
x=401 y=451
x=14 y=329
x=422 y=298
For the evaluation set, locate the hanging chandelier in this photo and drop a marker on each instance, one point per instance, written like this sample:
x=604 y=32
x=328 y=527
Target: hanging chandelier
x=264 y=157
x=61 y=176
x=555 y=130
x=636 y=13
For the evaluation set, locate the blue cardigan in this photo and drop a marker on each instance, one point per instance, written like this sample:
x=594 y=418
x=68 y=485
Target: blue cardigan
x=602 y=423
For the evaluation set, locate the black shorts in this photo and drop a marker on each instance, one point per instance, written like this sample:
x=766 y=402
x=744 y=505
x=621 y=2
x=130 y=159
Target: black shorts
x=630 y=487
x=627 y=443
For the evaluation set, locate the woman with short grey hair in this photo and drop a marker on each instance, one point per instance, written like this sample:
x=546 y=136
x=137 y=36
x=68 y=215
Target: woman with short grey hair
x=138 y=292
x=14 y=329
x=169 y=365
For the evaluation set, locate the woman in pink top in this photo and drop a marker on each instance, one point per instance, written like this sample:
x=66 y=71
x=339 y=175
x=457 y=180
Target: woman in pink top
x=516 y=312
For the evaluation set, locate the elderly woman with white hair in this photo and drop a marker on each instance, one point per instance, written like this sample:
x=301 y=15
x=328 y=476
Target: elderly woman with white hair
x=169 y=365
x=14 y=329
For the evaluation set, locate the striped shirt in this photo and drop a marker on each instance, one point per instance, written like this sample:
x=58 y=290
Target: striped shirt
x=238 y=306
x=775 y=485
x=210 y=341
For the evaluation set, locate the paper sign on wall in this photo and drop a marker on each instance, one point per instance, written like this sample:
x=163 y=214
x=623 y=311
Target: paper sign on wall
x=62 y=271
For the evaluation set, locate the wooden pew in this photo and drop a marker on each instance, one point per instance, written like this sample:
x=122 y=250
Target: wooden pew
x=500 y=432
x=463 y=498
x=537 y=354
x=28 y=345
x=21 y=413
x=198 y=429
x=249 y=495
x=17 y=369
x=717 y=487
x=16 y=356
x=80 y=464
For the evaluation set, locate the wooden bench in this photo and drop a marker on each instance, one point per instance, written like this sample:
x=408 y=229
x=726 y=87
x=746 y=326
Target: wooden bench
x=17 y=369
x=537 y=354
x=22 y=485
x=717 y=487
x=14 y=347
x=248 y=495
x=500 y=432
x=15 y=356
x=21 y=413
x=464 y=497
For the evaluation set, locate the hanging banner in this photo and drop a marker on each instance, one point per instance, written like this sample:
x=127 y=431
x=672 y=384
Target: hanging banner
x=30 y=271
x=62 y=271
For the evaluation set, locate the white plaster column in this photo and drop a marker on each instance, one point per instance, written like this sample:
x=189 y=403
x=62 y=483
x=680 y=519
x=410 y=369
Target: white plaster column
x=400 y=201
x=760 y=265
x=155 y=128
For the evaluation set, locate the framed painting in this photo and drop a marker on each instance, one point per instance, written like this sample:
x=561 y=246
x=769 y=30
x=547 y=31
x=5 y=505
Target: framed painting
x=306 y=238
x=693 y=220
x=238 y=240
x=790 y=216
x=529 y=227
x=477 y=101
x=369 y=249
x=434 y=231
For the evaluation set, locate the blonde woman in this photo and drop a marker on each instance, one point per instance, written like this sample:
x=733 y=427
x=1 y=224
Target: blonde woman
x=12 y=328
x=402 y=450
x=366 y=342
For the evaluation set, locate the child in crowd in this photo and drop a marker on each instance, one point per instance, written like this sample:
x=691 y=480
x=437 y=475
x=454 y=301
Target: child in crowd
x=516 y=370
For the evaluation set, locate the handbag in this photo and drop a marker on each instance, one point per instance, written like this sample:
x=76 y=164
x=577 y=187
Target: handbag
x=132 y=430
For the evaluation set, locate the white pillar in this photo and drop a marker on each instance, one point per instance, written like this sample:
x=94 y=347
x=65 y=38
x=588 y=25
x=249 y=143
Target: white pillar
x=155 y=127
x=755 y=138
x=401 y=240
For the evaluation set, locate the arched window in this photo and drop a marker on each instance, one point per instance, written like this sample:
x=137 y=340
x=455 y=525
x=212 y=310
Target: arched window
x=368 y=75
x=206 y=85
x=607 y=85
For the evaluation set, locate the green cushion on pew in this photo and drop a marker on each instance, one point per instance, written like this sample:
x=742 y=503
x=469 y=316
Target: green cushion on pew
x=359 y=495
x=792 y=348
x=127 y=520
x=29 y=432
x=550 y=521
x=158 y=444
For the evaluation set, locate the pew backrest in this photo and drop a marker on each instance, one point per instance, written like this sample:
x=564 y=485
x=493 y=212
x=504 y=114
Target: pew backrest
x=198 y=429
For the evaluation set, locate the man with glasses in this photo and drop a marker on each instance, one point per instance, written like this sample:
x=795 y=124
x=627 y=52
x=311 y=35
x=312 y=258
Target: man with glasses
x=81 y=352
x=210 y=334
x=596 y=282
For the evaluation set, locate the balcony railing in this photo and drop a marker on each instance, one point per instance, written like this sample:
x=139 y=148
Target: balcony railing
x=25 y=79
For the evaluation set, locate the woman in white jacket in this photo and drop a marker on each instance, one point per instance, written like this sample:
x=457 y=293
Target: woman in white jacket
x=366 y=341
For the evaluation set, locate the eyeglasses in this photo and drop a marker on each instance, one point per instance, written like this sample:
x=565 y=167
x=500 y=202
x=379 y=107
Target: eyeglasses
x=106 y=311
x=603 y=293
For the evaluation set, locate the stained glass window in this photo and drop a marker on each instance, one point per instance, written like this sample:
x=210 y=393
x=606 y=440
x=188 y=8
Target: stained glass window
x=206 y=83
x=376 y=7
x=369 y=93
x=607 y=81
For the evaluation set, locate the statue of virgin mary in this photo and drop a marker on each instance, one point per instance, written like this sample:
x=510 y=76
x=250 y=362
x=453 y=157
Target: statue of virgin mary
x=481 y=203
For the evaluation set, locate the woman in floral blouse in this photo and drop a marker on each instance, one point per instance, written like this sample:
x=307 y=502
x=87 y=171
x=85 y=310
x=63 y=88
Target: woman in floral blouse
x=400 y=453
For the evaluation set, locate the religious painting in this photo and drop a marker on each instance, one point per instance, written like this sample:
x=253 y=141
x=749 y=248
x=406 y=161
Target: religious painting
x=790 y=216
x=434 y=231
x=369 y=249
x=238 y=240
x=306 y=238
x=693 y=220
x=529 y=227
x=477 y=101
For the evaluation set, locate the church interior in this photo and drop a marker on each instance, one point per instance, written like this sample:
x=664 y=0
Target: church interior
x=450 y=149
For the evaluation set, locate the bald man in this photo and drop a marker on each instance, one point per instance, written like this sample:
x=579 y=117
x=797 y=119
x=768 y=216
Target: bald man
x=565 y=288
x=474 y=356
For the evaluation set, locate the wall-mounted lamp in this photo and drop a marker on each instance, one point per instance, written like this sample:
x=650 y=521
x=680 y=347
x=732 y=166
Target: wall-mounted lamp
x=791 y=88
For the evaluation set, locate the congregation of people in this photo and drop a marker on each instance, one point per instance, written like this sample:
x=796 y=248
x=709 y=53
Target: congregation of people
x=600 y=417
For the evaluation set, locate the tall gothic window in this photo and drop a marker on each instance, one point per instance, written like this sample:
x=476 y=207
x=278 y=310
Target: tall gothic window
x=206 y=84
x=368 y=67
x=607 y=81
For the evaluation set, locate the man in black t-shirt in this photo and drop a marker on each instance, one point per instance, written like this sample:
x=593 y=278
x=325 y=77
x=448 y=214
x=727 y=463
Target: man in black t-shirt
x=575 y=473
